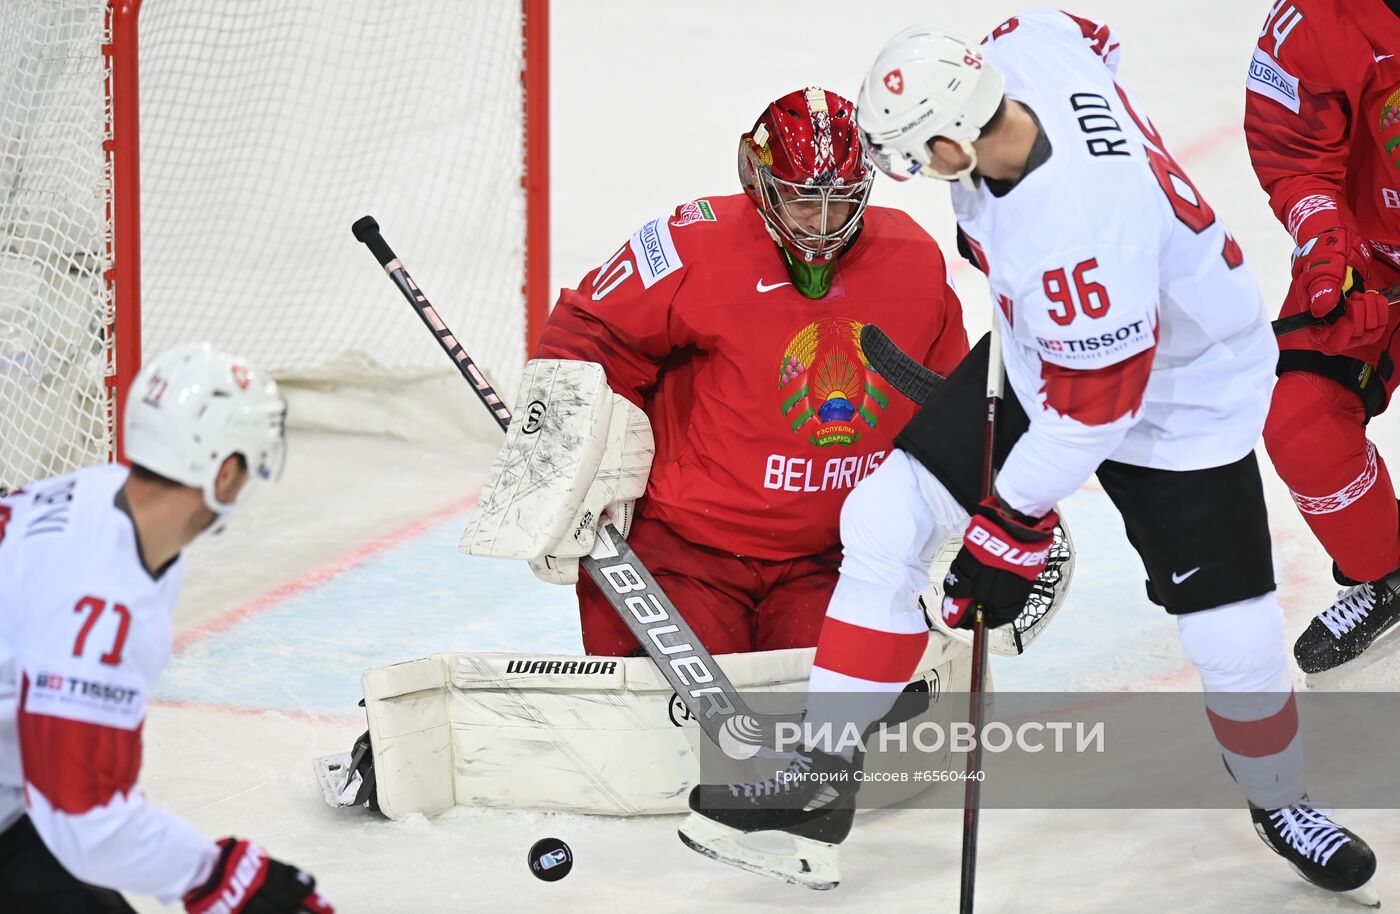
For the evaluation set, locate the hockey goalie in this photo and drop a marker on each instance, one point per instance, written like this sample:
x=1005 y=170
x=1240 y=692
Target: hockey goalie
x=651 y=387
x=597 y=734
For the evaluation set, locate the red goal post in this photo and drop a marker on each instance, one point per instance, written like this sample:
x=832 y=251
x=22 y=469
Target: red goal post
x=175 y=170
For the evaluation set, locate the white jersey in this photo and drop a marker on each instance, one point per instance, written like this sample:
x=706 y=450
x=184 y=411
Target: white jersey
x=1105 y=262
x=84 y=631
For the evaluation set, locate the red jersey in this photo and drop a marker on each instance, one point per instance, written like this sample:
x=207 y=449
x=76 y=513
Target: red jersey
x=764 y=408
x=1322 y=116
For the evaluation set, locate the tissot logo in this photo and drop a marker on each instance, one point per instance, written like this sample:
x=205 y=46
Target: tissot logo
x=534 y=416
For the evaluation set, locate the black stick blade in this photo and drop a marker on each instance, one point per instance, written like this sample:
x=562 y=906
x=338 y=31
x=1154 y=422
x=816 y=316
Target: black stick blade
x=902 y=370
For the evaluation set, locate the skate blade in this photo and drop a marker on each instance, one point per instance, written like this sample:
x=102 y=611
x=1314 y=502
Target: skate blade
x=811 y=864
x=1365 y=894
x=1385 y=645
x=338 y=780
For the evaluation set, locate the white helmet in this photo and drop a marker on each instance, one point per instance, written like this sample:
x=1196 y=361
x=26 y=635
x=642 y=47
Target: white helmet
x=191 y=407
x=925 y=84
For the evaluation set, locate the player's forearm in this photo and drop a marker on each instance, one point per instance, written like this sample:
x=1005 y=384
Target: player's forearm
x=1303 y=173
x=128 y=845
x=1307 y=205
x=1053 y=459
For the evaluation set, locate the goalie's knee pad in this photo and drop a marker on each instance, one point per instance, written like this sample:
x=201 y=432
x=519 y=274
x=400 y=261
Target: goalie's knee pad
x=573 y=452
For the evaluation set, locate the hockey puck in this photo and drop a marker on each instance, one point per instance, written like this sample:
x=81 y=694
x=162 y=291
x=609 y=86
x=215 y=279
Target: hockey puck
x=550 y=859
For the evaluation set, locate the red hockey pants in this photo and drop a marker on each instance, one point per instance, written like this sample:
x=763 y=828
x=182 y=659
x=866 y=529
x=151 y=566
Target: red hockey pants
x=735 y=603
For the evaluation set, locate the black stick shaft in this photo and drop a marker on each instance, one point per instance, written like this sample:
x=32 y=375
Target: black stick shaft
x=976 y=699
x=367 y=231
x=1295 y=322
x=620 y=574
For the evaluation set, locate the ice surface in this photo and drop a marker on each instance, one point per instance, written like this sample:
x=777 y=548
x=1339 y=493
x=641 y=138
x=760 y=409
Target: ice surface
x=351 y=561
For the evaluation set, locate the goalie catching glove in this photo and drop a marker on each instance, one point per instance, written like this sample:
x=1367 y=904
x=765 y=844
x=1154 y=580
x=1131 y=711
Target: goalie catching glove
x=1001 y=556
x=575 y=455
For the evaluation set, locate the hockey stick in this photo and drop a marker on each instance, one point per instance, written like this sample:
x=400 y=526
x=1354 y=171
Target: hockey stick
x=903 y=371
x=1295 y=322
x=621 y=576
x=912 y=379
x=972 y=789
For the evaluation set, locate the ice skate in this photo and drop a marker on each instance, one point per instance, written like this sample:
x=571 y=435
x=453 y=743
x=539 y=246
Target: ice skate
x=347 y=779
x=1353 y=632
x=1322 y=852
x=787 y=827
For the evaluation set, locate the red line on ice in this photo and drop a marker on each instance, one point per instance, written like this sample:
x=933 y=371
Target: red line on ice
x=207 y=708
x=321 y=574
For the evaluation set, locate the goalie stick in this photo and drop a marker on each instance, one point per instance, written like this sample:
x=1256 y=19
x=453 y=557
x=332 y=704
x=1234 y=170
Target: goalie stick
x=621 y=576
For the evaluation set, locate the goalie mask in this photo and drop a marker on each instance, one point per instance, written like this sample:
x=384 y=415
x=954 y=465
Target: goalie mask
x=191 y=407
x=803 y=167
x=926 y=84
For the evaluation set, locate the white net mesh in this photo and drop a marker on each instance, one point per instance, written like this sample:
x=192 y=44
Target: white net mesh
x=267 y=127
x=52 y=199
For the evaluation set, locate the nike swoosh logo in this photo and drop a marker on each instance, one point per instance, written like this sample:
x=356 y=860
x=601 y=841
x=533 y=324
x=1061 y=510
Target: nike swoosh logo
x=1380 y=57
x=1178 y=578
x=777 y=285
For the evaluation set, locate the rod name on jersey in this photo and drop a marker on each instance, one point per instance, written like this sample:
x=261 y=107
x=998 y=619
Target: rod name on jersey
x=802 y=474
x=115 y=700
x=1100 y=348
x=1095 y=116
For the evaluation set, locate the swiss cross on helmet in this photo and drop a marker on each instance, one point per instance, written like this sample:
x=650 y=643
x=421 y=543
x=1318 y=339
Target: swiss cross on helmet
x=803 y=167
x=925 y=84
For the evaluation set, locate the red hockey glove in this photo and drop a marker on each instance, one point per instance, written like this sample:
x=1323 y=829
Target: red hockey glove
x=1001 y=557
x=247 y=881
x=1330 y=271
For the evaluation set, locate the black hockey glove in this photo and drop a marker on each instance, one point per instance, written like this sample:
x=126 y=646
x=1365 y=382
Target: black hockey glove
x=1001 y=557
x=247 y=881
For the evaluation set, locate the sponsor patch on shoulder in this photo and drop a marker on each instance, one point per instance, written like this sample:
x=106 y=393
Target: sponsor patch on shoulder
x=1269 y=79
x=654 y=252
x=695 y=211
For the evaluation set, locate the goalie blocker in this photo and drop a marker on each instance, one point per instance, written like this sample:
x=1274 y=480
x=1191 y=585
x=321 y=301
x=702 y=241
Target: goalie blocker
x=576 y=455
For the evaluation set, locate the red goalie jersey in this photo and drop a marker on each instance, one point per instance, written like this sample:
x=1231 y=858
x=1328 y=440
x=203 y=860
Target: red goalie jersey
x=764 y=408
x=1322 y=116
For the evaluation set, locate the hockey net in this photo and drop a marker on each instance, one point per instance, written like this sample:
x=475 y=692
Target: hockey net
x=266 y=128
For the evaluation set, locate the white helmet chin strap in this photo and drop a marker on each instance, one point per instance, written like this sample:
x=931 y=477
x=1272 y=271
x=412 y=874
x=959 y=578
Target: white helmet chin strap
x=964 y=175
x=222 y=512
